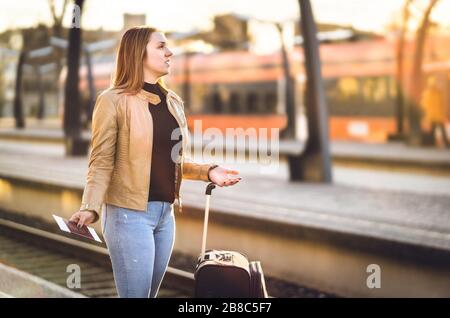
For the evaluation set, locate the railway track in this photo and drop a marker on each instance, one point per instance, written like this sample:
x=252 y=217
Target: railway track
x=48 y=255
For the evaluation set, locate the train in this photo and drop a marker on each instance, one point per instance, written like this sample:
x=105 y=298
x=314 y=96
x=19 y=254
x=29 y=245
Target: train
x=242 y=89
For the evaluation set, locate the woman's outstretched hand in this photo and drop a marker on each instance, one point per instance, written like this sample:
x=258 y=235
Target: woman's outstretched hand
x=224 y=177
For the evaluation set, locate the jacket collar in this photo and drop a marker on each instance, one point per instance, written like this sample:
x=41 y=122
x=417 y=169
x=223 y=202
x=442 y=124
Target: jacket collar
x=149 y=97
x=174 y=104
x=154 y=98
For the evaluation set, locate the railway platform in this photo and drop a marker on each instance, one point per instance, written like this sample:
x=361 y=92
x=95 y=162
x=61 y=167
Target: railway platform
x=321 y=235
x=392 y=154
x=15 y=283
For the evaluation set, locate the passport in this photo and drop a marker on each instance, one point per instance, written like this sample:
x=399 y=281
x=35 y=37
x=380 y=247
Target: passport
x=71 y=227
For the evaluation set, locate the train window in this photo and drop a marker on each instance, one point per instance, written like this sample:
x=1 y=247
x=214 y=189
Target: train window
x=363 y=96
x=217 y=103
x=391 y=87
x=380 y=89
x=347 y=87
x=375 y=89
x=252 y=103
x=207 y=104
x=198 y=98
x=270 y=103
x=235 y=103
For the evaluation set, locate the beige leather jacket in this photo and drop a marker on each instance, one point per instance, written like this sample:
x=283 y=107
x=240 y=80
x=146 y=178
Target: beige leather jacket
x=121 y=147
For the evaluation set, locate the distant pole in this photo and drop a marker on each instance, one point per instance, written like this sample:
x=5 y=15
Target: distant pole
x=41 y=105
x=414 y=111
x=289 y=132
x=399 y=87
x=400 y=56
x=18 y=107
x=187 y=78
x=90 y=81
x=72 y=93
x=314 y=164
x=72 y=103
x=291 y=126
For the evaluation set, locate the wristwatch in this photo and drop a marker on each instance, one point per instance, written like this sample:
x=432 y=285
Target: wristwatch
x=210 y=168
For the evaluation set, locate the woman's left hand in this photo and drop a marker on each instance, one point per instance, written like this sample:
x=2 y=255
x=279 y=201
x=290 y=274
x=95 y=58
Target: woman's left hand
x=223 y=177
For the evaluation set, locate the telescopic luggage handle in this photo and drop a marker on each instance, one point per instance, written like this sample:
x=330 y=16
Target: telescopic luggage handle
x=209 y=188
x=208 y=192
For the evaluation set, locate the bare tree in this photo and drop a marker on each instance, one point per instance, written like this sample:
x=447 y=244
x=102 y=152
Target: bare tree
x=400 y=66
x=57 y=32
x=417 y=75
x=57 y=19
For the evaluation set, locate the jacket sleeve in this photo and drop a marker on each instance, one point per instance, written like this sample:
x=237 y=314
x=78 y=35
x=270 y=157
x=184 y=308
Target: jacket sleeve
x=101 y=160
x=196 y=171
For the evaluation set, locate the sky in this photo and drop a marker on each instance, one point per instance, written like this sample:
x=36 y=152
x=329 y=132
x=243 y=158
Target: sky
x=187 y=15
x=191 y=14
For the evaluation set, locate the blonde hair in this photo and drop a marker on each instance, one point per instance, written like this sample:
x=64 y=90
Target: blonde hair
x=129 y=73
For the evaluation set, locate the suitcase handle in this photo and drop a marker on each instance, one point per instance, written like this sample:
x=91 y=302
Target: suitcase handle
x=209 y=188
x=208 y=192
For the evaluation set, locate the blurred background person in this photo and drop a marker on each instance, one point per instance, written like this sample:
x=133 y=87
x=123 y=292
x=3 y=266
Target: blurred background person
x=434 y=110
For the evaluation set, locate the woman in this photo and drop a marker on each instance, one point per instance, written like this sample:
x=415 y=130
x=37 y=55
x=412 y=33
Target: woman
x=136 y=165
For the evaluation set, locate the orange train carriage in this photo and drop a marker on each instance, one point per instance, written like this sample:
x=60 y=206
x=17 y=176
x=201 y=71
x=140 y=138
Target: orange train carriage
x=242 y=89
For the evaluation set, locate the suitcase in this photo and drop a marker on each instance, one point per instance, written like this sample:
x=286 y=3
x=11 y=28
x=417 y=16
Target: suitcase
x=226 y=274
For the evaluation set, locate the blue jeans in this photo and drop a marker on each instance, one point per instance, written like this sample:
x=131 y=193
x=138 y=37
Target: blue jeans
x=140 y=245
